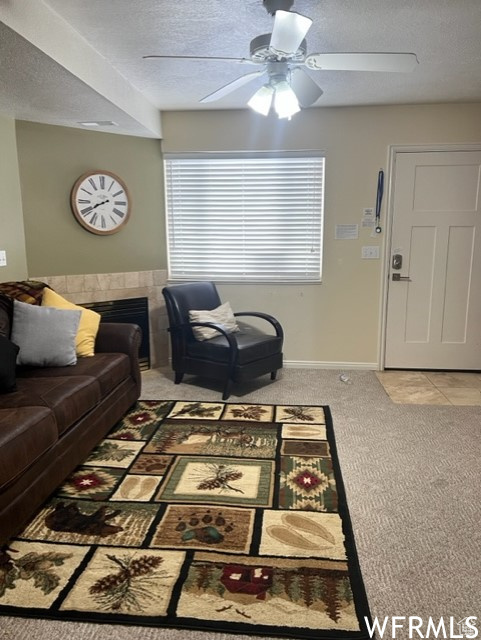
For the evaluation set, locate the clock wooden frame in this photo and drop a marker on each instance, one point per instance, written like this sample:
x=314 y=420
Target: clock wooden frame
x=81 y=217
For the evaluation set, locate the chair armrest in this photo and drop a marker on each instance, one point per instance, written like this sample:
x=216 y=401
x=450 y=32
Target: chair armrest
x=121 y=337
x=265 y=316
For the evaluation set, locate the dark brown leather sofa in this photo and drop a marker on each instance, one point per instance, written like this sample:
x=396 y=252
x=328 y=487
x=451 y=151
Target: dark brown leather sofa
x=56 y=415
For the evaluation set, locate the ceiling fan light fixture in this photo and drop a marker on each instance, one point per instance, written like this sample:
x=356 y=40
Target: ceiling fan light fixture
x=289 y=31
x=262 y=99
x=286 y=103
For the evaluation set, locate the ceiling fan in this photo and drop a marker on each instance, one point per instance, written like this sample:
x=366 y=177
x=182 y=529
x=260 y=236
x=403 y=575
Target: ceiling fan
x=282 y=56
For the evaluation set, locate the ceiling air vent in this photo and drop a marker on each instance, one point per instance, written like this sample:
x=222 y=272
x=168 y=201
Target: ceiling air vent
x=98 y=123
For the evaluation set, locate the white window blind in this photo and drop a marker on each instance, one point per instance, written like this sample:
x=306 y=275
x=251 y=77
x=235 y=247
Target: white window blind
x=245 y=218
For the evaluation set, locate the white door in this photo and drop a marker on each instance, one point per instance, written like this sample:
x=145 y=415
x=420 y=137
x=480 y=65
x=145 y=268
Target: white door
x=434 y=297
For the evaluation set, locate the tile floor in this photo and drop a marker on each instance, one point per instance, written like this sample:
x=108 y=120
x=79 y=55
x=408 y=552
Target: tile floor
x=432 y=387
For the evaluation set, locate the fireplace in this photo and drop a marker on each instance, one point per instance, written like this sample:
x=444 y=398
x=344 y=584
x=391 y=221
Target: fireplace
x=87 y=289
x=135 y=310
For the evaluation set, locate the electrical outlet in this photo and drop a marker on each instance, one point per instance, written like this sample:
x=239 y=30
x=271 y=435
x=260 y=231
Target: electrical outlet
x=370 y=253
x=3 y=258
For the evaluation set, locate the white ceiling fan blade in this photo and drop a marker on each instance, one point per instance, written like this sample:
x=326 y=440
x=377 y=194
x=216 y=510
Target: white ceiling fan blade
x=202 y=58
x=400 y=62
x=289 y=31
x=231 y=86
x=306 y=90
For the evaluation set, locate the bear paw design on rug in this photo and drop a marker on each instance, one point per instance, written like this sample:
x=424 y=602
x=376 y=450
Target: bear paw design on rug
x=209 y=533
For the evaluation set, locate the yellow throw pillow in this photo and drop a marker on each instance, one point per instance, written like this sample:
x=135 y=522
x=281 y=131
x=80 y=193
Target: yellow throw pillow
x=88 y=326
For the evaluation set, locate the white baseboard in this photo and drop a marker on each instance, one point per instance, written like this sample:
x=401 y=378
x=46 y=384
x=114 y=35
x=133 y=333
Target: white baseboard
x=315 y=364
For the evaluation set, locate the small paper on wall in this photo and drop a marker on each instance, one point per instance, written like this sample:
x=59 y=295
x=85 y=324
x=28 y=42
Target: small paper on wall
x=346 y=232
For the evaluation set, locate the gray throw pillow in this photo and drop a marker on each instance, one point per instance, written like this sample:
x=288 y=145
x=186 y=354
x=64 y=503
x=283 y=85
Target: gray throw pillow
x=45 y=335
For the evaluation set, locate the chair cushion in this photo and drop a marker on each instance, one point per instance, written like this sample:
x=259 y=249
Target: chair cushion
x=253 y=345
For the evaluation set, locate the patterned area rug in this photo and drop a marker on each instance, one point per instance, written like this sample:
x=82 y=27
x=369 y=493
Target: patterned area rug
x=198 y=515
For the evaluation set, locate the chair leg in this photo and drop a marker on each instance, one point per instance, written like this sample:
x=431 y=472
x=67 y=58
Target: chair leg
x=227 y=389
x=273 y=375
x=178 y=377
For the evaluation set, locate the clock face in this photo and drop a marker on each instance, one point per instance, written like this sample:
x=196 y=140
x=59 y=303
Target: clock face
x=100 y=202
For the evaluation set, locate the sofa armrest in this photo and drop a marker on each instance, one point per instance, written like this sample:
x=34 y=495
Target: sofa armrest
x=121 y=337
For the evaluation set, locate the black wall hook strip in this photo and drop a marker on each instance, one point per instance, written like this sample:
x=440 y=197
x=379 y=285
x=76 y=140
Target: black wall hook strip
x=380 y=191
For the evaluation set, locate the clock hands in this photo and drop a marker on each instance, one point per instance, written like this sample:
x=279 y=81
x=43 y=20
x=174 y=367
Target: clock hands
x=100 y=203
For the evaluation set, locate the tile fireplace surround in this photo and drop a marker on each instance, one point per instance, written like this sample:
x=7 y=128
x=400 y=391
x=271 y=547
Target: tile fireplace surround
x=116 y=286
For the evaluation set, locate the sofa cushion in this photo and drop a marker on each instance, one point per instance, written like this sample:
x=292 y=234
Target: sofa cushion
x=69 y=398
x=25 y=434
x=46 y=336
x=109 y=369
x=88 y=326
x=8 y=359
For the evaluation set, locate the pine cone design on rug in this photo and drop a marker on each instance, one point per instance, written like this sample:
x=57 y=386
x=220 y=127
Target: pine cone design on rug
x=125 y=589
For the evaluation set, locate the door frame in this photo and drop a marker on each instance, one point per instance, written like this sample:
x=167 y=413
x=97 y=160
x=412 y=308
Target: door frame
x=393 y=151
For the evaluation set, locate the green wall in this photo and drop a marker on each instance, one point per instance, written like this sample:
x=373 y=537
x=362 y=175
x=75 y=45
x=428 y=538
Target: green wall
x=50 y=159
x=12 y=235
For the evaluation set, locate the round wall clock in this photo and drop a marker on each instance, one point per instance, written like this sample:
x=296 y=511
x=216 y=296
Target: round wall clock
x=100 y=202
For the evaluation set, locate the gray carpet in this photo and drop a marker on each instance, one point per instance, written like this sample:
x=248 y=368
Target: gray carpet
x=413 y=484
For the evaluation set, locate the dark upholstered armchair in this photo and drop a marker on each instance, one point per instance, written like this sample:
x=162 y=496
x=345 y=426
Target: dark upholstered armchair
x=231 y=357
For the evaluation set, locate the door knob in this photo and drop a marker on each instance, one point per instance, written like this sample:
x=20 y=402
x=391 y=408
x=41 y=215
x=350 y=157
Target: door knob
x=397 y=277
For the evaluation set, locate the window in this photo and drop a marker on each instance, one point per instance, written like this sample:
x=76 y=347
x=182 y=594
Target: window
x=245 y=218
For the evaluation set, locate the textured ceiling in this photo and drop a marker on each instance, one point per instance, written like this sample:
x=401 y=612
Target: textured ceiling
x=445 y=35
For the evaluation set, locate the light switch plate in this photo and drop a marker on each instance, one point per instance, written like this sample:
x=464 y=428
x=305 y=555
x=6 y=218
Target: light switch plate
x=3 y=258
